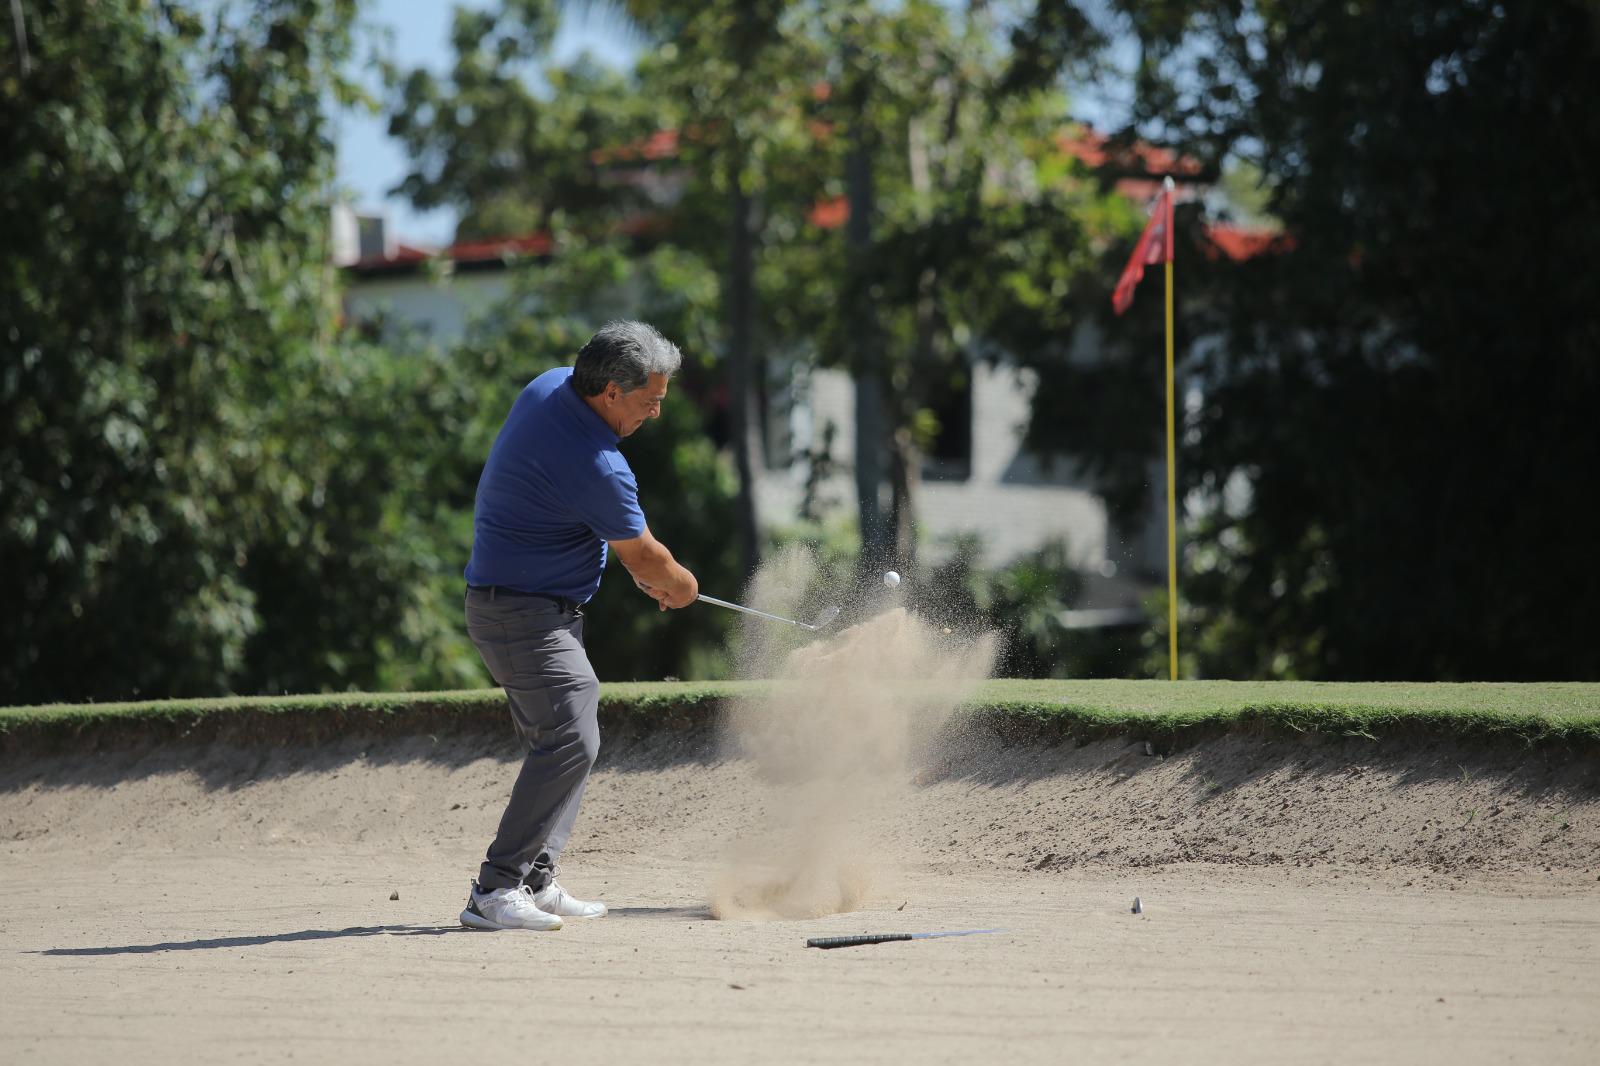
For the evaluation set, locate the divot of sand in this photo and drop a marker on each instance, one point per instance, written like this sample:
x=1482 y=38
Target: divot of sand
x=835 y=741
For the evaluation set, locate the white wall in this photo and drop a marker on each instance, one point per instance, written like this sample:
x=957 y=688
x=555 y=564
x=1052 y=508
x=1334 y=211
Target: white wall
x=1010 y=500
x=440 y=308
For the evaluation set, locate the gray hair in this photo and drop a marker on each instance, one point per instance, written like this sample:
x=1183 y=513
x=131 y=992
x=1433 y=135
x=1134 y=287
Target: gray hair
x=626 y=352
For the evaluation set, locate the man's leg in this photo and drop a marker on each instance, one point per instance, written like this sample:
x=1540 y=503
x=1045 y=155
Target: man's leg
x=535 y=651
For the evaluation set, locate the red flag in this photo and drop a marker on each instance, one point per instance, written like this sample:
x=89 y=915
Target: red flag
x=1155 y=246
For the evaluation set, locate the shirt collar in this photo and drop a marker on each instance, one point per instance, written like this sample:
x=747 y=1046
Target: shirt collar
x=587 y=416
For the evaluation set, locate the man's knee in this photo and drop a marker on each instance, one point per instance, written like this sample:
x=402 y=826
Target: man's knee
x=588 y=722
x=574 y=732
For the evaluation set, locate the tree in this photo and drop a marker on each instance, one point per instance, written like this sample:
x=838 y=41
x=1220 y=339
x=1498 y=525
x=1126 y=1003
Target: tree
x=515 y=155
x=204 y=486
x=941 y=143
x=735 y=74
x=967 y=226
x=512 y=140
x=1395 y=430
x=930 y=133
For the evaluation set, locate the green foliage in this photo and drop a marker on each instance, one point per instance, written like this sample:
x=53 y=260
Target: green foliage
x=205 y=486
x=349 y=551
x=511 y=152
x=163 y=287
x=1026 y=603
x=979 y=224
x=1394 y=438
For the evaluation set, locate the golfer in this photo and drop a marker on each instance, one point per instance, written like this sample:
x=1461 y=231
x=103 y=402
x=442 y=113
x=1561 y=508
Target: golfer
x=554 y=493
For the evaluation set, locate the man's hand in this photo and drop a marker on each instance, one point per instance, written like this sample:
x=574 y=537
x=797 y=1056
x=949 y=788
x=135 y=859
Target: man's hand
x=659 y=595
x=656 y=572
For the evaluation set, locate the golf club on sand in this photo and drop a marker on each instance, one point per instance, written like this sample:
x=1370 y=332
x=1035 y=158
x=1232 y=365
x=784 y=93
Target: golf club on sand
x=828 y=614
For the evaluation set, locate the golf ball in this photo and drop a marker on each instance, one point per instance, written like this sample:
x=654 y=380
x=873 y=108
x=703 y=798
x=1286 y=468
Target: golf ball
x=891 y=579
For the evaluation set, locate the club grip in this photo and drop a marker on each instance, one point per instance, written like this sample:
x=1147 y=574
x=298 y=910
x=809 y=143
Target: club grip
x=854 y=941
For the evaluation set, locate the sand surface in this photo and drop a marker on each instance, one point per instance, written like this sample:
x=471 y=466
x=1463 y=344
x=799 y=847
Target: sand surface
x=1305 y=903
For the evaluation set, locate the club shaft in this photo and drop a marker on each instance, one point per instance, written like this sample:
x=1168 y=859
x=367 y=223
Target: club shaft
x=752 y=610
x=866 y=939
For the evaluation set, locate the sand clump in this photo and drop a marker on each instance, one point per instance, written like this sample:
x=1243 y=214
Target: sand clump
x=834 y=745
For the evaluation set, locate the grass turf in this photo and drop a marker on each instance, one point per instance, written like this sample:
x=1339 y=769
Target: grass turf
x=1547 y=713
x=1544 y=715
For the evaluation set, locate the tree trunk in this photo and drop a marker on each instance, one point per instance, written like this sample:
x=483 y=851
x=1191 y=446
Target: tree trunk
x=905 y=479
x=741 y=426
x=866 y=359
x=905 y=457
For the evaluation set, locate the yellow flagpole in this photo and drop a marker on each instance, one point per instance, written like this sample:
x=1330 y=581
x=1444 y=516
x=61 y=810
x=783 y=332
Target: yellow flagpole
x=1172 y=500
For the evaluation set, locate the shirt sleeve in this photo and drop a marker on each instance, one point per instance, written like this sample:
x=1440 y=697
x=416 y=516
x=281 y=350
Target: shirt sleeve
x=610 y=506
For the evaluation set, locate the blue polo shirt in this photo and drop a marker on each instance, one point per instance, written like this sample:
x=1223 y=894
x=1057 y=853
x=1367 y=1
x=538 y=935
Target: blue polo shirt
x=554 y=490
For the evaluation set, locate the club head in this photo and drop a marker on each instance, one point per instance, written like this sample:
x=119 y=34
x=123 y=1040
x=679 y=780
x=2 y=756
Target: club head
x=828 y=614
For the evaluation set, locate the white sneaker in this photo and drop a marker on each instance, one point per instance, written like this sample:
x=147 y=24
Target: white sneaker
x=555 y=900
x=506 y=908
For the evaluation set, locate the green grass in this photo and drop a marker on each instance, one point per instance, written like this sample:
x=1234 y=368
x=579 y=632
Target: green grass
x=321 y=717
x=1548 y=713
x=1562 y=715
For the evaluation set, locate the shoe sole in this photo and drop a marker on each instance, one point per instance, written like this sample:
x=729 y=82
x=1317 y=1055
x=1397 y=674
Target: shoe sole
x=478 y=921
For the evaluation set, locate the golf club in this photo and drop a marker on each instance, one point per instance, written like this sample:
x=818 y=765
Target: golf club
x=828 y=614
x=828 y=942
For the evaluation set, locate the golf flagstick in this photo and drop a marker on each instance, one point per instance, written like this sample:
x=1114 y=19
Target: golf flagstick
x=1156 y=246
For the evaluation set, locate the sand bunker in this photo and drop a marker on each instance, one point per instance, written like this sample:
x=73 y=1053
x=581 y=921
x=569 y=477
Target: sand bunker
x=240 y=906
x=848 y=717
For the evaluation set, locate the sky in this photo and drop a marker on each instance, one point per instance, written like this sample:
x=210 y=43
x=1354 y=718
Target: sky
x=371 y=163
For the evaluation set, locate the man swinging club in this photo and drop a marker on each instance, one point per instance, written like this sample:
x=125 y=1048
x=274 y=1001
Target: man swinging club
x=554 y=493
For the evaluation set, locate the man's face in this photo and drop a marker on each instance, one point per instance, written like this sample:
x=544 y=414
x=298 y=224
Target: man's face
x=630 y=410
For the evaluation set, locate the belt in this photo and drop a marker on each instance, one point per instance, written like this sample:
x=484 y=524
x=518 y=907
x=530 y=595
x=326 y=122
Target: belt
x=494 y=592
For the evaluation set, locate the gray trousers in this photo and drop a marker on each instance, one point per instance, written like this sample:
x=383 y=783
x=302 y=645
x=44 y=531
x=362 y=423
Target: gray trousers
x=533 y=647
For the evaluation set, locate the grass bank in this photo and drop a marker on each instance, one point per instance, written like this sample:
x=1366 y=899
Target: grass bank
x=1556 y=715
x=1547 y=714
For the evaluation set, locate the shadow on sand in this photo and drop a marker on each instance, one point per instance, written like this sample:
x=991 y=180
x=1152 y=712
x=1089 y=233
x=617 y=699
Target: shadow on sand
x=696 y=913
x=256 y=941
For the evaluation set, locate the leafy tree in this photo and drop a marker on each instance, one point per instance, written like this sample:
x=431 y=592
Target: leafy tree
x=204 y=486
x=740 y=80
x=944 y=144
x=944 y=148
x=1394 y=429
x=578 y=152
x=512 y=140
x=972 y=224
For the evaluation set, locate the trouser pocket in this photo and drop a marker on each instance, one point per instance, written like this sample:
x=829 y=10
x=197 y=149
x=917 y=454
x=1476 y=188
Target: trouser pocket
x=493 y=648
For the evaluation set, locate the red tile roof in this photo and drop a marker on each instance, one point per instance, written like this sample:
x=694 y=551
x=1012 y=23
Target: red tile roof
x=495 y=249
x=1093 y=148
x=1239 y=243
x=829 y=213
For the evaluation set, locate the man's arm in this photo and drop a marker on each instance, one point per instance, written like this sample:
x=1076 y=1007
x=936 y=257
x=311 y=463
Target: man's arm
x=655 y=570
